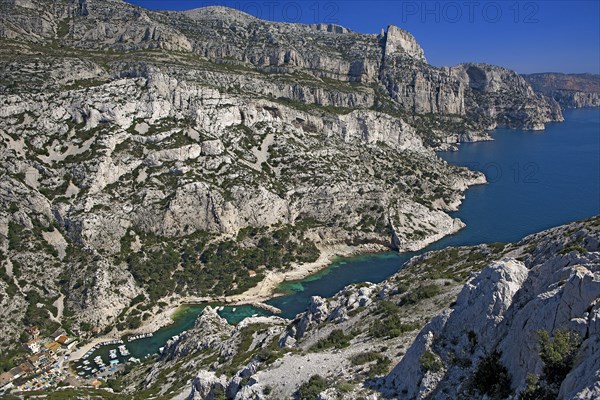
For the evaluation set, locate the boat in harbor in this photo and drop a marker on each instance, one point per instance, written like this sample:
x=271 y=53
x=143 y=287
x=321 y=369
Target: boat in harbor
x=140 y=336
x=123 y=350
x=112 y=353
x=99 y=362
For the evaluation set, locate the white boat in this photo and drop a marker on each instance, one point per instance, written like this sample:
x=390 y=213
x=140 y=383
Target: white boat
x=161 y=350
x=112 y=353
x=94 y=371
x=233 y=309
x=123 y=351
x=82 y=373
x=86 y=362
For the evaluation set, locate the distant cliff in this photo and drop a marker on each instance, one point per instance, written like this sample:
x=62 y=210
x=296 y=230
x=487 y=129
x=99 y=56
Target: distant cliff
x=570 y=90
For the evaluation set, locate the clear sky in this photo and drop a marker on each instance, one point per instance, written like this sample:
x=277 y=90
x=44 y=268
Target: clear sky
x=527 y=36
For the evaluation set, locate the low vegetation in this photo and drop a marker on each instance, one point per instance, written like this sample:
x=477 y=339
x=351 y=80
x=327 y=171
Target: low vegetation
x=491 y=378
x=310 y=390
x=389 y=323
x=558 y=355
x=336 y=339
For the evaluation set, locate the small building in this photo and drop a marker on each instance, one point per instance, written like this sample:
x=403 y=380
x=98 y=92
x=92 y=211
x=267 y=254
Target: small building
x=251 y=273
x=53 y=347
x=6 y=378
x=33 y=346
x=57 y=333
x=41 y=360
x=64 y=340
x=25 y=367
x=72 y=344
x=33 y=331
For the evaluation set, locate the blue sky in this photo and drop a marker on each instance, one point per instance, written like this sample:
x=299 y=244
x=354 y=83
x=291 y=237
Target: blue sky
x=527 y=36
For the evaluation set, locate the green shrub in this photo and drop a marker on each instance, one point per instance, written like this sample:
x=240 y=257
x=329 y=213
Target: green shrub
x=389 y=325
x=381 y=367
x=421 y=293
x=336 y=339
x=430 y=362
x=569 y=249
x=310 y=390
x=558 y=356
x=345 y=387
x=492 y=378
x=365 y=357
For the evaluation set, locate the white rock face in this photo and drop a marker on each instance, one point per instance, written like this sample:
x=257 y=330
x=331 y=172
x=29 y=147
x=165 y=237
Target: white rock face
x=207 y=386
x=398 y=40
x=105 y=299
x=502 y=309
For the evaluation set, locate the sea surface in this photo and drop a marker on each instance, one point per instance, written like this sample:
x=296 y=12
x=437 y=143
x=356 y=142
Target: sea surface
x=537 y=180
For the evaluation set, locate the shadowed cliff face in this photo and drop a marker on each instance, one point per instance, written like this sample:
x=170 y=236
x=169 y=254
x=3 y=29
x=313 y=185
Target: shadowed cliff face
x=569 y=90
x=139 y=148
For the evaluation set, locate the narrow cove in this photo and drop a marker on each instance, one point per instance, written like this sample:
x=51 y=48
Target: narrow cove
x=536 y=180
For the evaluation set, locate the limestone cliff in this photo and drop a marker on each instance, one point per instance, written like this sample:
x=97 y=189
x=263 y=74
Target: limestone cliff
x=569 y=90
x=498 y=321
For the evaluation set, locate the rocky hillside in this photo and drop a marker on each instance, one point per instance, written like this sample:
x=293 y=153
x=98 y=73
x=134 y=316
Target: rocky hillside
x=496 y=321
x=569 y=90
x=150 y=155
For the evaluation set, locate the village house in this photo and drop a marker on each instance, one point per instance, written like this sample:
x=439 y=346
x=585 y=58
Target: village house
x=53 y=347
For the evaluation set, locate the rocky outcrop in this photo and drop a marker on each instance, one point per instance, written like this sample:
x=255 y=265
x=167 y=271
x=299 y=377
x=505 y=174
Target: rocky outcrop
x=569 y=90
x=502 y=311
x=207 y=386
x=505 y=98
x=399 y=41
x=322 y=310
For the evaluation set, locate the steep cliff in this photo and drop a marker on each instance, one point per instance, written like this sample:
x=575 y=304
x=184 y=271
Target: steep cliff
x=497 y=337
x=569 y=90
x=498 y=96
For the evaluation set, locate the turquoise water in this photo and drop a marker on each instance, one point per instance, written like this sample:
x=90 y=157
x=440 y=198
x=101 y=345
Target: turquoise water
x=342 y=272
x=536 y=180
x=184 y=319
